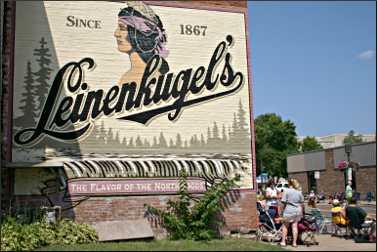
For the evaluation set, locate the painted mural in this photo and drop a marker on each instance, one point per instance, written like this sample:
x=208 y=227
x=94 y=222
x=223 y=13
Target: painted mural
x=113 y=81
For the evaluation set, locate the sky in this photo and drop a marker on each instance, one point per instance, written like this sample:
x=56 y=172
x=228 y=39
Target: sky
x=314 y=63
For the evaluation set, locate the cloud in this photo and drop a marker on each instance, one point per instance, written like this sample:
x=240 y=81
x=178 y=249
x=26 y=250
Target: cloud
x=367 y=55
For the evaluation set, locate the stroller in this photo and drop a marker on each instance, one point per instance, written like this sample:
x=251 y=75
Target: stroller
x=267 y=228
x=307 y=228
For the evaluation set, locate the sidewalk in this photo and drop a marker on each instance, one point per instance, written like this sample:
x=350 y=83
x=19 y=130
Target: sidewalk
x=361 y=202
x=371 y=203
x=329 y=243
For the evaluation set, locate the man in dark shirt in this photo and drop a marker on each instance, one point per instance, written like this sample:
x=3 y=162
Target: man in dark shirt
x=356 y=216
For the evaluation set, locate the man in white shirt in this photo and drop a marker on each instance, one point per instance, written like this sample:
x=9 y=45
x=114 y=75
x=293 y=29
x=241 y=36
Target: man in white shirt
x=271 y=198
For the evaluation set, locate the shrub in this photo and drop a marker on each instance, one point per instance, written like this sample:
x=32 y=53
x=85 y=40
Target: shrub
x=16 y=236
x=190 y=218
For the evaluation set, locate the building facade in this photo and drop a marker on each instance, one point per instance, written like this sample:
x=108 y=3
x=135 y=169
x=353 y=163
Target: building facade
x=105 y=103
x=336 y=140
x=319 y=169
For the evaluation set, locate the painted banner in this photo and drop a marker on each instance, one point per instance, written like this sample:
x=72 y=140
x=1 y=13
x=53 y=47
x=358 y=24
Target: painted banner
x=132 y=186
x=103 y=80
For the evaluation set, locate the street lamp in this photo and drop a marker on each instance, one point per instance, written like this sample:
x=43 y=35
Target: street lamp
x=348 y=170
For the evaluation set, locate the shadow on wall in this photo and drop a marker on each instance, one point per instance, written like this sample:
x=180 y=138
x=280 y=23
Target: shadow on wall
x=36 y=65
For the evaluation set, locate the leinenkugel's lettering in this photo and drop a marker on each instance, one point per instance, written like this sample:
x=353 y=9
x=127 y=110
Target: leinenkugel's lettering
x=81 y=106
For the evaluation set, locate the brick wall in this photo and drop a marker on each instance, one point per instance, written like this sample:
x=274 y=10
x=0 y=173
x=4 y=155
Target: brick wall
x=239 y=209
x=366 y=181
x=332 y=180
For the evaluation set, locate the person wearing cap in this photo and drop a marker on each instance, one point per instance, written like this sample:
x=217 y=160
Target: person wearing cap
x=338 y=214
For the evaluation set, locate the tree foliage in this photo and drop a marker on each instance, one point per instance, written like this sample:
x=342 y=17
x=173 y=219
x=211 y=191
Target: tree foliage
x=310 y=144
x=352 y=138
x=185 y=220
x=275 y=139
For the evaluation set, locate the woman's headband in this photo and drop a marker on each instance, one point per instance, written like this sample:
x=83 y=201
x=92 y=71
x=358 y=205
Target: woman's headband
x=147 y=27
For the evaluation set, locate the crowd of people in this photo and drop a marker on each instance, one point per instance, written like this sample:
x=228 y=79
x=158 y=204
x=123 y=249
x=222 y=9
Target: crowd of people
x=285 y=204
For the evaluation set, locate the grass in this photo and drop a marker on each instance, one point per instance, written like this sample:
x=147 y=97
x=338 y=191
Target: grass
x=167 y=245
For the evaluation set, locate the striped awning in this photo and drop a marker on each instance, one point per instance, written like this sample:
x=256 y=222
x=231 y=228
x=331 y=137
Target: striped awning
x=208 y=169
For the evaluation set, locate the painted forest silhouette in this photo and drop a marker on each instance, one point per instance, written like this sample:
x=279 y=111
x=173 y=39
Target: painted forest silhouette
x=36 y=87
x=234 y=138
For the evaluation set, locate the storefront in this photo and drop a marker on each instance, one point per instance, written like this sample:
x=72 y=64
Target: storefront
x=105 y=102
x=321 y=170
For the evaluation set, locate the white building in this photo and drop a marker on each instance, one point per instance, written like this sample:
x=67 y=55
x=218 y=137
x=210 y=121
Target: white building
x=336 y=140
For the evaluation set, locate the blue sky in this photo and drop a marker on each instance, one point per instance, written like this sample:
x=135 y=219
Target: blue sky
x=314 y=63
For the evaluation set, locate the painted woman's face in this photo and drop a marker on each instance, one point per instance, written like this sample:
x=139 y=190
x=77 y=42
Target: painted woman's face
x=121 y=35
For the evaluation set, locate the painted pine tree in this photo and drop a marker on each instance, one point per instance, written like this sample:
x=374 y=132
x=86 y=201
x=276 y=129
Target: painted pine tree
x=178 y=141
x=117 y=142
x=171 y=143
x=138 y=142
x=110 y=138
x=215 y=131
x=196 y=141
x=192 y=142
x=240 y=138
x=28 y=105
x=131 y=143
x=241 y=118
x=102 y=134
x=162 y=141
x=146 y=144
x=225 y=138
x=44 y=72
x=155 y=143
x=202 y=141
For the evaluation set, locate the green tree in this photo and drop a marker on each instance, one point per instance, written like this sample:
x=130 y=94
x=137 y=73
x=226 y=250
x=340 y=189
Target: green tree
x=310 y=144
x=192 y=218
x=352 y=138
x=275 y=139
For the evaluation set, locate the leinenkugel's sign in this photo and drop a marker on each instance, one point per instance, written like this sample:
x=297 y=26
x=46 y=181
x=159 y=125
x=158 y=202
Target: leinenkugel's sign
x=111 y=80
